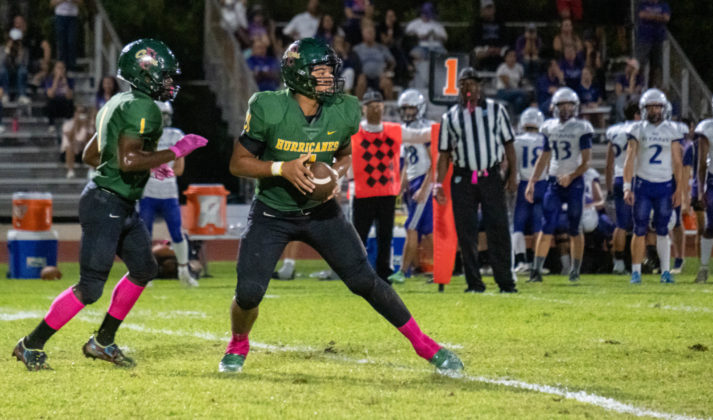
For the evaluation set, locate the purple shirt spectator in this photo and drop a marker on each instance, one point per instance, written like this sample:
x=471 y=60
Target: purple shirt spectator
x=652 y=30
x=588 y=95
x=571 y=67
x=265 y=67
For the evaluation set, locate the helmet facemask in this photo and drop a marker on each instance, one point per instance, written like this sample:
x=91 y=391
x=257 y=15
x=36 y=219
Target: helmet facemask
x=565 y=110
x=169 y=89
x=333 y=83
x=654 y=113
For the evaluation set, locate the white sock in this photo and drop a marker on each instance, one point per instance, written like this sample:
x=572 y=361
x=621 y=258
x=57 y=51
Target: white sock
x=181 y=251
x=288 y=266
x=706 y=248
x=565 y=261
x=663 y=247
x=636 y=268
x=518 y=243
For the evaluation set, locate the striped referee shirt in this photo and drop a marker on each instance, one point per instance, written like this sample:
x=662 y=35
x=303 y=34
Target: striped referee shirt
x=476 y=140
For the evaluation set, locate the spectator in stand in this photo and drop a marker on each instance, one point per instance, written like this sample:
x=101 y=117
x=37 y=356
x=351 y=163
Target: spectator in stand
x=261 y=27
x=66 y=25
x=588 y=92
x=565 y=37
x=355 y=11
x=351 y=66
x=628 y=87
x=527 y=47
x=108 y=88
x=509 y=79
x=60 y=95
x=590 y=97
x=593 y=59
x=571 y=66
x=327 y=30
x=490 y=38
x=234 y=19
x=390 y=34
x=39 y=49
x=304 y=25
x=377 y=64
x=14 y=59
x=653 y=17
x=430 y=33
x=570 y=9
x=265 y=67
x=76 y=133
x=547 y=85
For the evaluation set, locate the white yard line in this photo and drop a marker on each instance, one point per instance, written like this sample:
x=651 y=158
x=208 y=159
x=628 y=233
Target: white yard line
x=605 y=403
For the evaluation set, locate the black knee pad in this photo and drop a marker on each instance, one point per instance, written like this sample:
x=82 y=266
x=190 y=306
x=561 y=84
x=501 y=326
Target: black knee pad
x=145 y=274
x=89 y=290
x=249 y=294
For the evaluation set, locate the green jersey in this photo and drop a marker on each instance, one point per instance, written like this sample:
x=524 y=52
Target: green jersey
x=276 y=119
x=131 y=114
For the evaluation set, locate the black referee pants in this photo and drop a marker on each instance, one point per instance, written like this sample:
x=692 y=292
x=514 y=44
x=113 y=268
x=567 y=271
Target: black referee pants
x=489 y=193
x=379 y=210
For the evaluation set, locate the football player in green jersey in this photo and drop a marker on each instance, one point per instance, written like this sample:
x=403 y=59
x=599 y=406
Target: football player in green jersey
x=124 y=153
x=310 y=120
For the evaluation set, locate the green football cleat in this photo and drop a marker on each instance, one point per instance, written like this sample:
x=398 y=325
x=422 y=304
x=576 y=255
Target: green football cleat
x=446 y=360
x=111 y=353
x=33 y=359
x=231 y=363
x=398 y=277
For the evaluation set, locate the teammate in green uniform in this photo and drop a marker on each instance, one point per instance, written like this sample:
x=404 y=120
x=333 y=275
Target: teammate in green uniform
x=310 y=120
x=124 y=153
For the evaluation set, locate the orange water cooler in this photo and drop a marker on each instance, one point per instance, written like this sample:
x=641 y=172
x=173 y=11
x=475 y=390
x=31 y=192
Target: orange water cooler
x=32 y=244
x=205 y=212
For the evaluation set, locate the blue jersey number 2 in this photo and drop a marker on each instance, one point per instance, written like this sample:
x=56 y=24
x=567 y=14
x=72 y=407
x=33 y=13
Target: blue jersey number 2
x=654 y=159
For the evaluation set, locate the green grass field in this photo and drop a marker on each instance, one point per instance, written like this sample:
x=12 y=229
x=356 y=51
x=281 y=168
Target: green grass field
x=598 y=349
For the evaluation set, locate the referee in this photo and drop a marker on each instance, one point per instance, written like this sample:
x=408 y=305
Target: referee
x=475 y=135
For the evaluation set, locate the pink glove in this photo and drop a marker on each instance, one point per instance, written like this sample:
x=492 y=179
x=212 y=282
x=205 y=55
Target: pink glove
x=187 y=144
x=162 y=172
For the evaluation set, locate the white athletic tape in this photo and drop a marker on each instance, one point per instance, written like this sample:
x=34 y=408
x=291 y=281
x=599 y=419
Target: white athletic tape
x=609 y=404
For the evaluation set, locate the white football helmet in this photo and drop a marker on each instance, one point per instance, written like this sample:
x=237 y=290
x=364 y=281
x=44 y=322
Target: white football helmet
x=590 y=219
x=561 y=96
x=411 y=98
x=531 y=117
x=652 y=97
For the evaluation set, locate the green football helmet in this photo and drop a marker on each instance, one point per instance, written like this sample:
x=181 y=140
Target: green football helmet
x=299 y=60
x=149 y=65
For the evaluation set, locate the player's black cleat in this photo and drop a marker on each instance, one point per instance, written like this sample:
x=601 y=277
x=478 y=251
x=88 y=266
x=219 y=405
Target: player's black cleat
x=535 y=277
x=33 y=359
x=111 y=353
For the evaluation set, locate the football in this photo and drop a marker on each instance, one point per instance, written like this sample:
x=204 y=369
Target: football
x=50 y=272
x=325 y=179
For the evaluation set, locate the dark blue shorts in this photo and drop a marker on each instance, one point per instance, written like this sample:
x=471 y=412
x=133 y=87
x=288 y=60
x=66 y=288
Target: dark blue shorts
x=624 y=213
x=654 y=196
x=527 y=217
x=420 y=215
x=168 y=208
x=555 y=196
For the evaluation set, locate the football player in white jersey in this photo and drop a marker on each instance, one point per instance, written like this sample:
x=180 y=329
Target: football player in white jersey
x=654 y=156
x=704 y=134
x=527 y=217
x=616 y=154
x=567 y=149
x=161 y=196
x=677 y=233
x=416 y=181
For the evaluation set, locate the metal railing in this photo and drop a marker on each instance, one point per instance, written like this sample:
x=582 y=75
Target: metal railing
x=225 y=69
x=683 y=82
x=106 y=45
